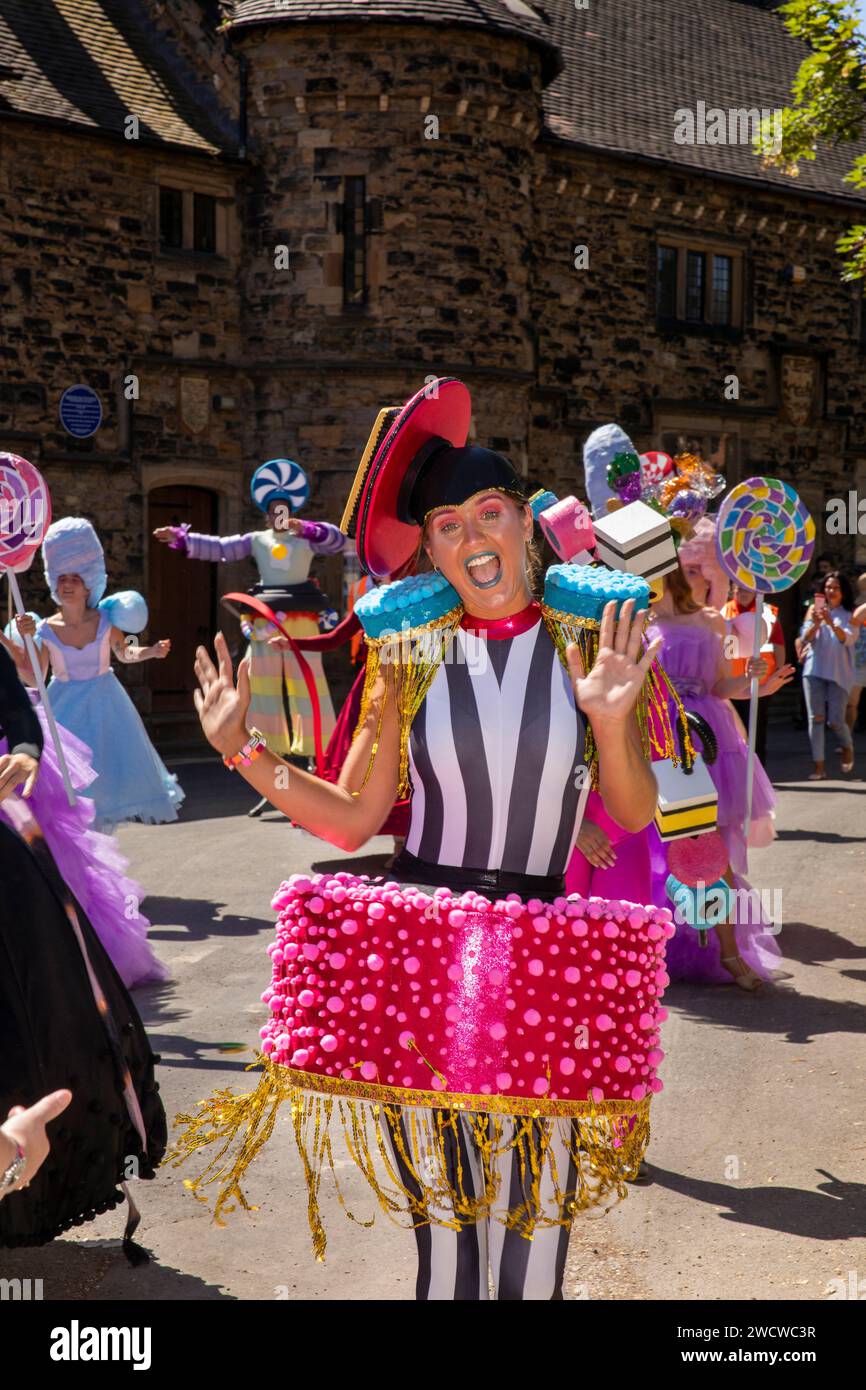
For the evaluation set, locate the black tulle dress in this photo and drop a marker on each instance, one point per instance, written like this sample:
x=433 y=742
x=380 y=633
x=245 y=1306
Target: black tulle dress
x=66 y=1020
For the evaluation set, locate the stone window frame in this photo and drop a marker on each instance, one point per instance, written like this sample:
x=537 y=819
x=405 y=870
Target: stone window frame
x=189 y=184
x=696 y=426
x=707 y=246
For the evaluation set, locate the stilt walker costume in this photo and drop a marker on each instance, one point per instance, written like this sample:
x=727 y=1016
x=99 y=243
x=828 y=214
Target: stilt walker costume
x=486 y=1051
x=283 y=559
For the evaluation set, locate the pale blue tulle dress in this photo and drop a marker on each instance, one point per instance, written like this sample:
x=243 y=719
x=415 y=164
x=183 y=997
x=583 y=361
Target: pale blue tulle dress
x=132 y=782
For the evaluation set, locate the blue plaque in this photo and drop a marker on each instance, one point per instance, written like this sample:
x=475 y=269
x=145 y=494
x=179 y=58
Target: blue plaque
x=80 y=411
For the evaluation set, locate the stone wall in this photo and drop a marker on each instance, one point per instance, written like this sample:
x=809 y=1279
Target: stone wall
x=602 y=356
x=89 y=298
x=448 y=270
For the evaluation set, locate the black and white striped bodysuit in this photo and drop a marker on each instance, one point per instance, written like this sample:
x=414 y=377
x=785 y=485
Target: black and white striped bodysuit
x=493 y=754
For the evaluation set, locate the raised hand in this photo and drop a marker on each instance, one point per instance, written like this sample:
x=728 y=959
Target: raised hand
x=610 y=692
x=161 y=649
x=165 y=534
x=779 y=678
x=221 y=706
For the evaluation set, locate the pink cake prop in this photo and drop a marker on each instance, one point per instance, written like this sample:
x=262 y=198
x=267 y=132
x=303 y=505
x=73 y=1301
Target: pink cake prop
x=568 y=528
x=397 y=994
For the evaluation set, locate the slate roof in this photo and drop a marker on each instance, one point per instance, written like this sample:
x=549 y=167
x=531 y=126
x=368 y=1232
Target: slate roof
x=523 y=18
x=90 y=63
x=617 y=70
x=630 y=64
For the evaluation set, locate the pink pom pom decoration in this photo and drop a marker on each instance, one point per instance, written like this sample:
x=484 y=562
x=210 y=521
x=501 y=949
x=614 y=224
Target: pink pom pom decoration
x=449 y=996
x=698 y=858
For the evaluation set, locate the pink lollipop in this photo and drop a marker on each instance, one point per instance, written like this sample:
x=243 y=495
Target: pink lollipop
x=25 y=512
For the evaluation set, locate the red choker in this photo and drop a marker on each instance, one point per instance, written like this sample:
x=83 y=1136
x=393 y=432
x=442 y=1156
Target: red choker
x=504 y=627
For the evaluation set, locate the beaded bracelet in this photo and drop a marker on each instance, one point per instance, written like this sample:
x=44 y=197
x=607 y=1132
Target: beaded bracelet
x=251 y=750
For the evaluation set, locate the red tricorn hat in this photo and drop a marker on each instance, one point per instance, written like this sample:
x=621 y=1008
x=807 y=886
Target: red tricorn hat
x=379 y=513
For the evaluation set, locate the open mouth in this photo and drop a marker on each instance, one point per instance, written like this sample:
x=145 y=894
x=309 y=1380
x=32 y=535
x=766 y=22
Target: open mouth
x=484 y=569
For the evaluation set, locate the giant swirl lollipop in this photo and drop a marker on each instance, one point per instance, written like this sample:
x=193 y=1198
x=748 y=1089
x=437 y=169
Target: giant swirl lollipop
x=764 y=538
x=25 y=512
x=764 y=535
x=25 y=515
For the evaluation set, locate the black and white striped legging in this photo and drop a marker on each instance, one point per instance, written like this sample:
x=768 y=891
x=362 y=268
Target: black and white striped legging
x=459 y=1265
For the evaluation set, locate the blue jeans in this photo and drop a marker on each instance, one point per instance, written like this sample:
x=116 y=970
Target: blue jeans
x=825 y=702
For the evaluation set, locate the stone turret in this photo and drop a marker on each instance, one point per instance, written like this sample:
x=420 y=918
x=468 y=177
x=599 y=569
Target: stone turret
x=419 y=139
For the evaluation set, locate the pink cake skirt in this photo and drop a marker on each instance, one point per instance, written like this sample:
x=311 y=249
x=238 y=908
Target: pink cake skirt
x=514 y=1017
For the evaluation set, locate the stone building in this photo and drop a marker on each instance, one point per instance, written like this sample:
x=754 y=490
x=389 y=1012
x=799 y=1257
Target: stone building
x=247 y=226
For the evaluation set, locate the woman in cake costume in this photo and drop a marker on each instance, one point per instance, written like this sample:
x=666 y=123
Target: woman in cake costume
x=66 y=1020
x=283 y=554
x=91 y=864
x=78 y=643
x=486 y=1047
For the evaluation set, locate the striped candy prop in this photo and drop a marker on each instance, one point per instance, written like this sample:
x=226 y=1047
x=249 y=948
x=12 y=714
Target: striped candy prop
x=764 y=535
x=25 y=512
x=25 y=515
x=764 y=539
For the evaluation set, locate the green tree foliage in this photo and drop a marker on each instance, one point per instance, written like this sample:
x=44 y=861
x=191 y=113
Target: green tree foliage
x=828 y=104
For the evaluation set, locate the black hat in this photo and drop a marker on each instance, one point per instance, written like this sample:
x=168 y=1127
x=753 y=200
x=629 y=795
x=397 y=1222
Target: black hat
x=417 y=459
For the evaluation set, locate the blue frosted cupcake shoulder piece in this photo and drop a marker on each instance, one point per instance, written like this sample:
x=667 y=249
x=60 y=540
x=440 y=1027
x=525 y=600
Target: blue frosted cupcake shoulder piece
x=583 y=590
x=406 y=604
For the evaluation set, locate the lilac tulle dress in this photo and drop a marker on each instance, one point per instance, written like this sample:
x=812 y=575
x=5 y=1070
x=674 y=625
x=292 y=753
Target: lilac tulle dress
x=91 y=863
x=691 y=655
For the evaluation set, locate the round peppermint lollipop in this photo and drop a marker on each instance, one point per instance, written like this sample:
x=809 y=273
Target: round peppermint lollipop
x=25 y=512
x=764 y=535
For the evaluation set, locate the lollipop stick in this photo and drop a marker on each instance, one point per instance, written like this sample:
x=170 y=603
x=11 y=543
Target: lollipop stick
x=753 y=710
x=40 y=683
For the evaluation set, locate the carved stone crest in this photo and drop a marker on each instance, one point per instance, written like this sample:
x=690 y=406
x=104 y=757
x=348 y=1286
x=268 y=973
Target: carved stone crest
x=194 y=394
x=799 y=388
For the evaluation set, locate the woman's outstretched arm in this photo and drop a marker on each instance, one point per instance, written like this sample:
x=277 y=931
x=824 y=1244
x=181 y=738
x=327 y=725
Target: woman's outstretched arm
x=345 y=814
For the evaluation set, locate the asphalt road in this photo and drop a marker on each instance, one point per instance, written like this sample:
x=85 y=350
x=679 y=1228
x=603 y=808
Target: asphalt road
x=759 y=1138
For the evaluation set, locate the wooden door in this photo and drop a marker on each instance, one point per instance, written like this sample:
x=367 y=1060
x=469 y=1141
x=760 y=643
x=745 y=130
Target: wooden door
x=181 y=595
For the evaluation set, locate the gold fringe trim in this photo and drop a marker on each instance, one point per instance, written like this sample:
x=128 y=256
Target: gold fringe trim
x=653 y=707
x=414 y=657
x=411 y=1158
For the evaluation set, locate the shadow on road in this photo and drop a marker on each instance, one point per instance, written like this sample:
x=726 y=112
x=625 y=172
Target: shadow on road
x=97 y=1270
x=212 y=792
x=835 y=1211
x=200 y=918
x=798 y=1018
x=811 y=945
x=372 y=864
x=233 y=1055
